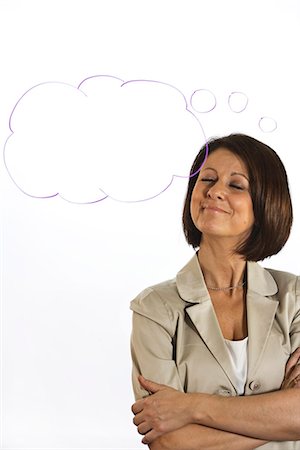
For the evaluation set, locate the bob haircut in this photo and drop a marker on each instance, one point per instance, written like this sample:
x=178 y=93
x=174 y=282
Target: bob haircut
x=269 y=190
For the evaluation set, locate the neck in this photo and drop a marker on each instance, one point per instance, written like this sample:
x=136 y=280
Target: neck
x=221 y=268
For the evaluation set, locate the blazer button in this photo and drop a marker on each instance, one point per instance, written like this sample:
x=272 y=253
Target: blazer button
x=254 y=385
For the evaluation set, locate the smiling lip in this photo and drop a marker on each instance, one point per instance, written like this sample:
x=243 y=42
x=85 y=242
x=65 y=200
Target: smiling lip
x=214 y=208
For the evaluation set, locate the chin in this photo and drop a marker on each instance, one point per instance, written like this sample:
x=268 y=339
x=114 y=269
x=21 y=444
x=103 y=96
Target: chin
x=213 y=228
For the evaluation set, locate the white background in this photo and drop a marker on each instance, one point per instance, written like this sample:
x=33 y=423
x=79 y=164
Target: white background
x=68 y=270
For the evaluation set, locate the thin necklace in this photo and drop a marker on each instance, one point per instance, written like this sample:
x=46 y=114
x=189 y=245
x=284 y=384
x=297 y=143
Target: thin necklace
x=228 y=288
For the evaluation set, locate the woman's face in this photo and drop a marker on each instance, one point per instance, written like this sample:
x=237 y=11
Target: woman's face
x=221 y=205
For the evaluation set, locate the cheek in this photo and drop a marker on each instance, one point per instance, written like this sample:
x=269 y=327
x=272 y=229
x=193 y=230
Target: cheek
x=197 y=194
x=246 y=210
x=195 y=205
x=193 y=208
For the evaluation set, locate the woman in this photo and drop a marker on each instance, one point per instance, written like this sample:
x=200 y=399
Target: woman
x=225 y=328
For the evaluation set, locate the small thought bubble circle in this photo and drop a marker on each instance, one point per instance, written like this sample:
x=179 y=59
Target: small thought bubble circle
x=267 y=124
x=237 y=102
x=203 y=101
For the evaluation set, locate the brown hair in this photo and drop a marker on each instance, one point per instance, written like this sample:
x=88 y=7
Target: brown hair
x=269 y=191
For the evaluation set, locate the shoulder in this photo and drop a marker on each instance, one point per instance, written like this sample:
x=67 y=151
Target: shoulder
x=158 y=302
x=286 y=282
x=171 y=296
x=269 y=282
x=287 y=291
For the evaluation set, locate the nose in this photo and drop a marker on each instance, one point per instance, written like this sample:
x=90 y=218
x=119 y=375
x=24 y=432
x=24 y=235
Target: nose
x=216 y=191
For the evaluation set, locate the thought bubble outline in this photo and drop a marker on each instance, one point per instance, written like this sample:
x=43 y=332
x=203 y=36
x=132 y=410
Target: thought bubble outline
x=78 y=88
x=264 y=118
x=213 y=97
x=234 y=93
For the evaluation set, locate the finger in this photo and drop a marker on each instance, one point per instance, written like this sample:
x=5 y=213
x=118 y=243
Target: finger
x=144 y=428
x=294 y=373
x=292 y=360
x=138 y=419
x=137 y=406
x=289 y=371
x=149 y=437
x=292 y=379
x=149 y=385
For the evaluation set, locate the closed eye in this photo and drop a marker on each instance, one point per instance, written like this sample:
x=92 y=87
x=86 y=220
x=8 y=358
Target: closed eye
x=208 y=180
x=236 y=186
x=213 y=180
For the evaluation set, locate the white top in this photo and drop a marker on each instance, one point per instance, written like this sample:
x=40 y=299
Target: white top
x=238 y=355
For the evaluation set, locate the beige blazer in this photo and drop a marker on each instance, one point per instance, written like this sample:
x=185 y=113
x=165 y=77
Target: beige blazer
x=176 y=338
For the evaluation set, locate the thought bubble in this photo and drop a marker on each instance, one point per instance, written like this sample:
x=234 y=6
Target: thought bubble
x=267 y=124
x=203 y=101
x=103 y=138
x=237 y=101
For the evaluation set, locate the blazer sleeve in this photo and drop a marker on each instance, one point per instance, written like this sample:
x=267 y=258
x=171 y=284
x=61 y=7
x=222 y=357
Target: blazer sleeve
x=295 y=325
x=152 y=342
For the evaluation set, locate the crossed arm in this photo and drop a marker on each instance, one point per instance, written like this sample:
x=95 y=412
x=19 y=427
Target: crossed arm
x=170 y=419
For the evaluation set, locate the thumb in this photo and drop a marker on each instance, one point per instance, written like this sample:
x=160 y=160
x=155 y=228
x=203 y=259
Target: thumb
x=149 y=385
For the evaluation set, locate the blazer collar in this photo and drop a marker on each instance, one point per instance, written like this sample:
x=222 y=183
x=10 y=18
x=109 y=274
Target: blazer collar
x=192 y=288
x=261 y=310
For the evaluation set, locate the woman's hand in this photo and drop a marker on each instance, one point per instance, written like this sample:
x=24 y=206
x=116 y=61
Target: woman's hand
x=165 y=410
x=292 y=371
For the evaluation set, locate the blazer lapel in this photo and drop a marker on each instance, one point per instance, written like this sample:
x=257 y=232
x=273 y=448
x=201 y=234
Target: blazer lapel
x=192 y=288
x=205 y=321
x=261 y=310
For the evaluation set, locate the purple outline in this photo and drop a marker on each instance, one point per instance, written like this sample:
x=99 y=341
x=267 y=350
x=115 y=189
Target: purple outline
x=79 y=88
x=238 y=92
x=267 y=131
x=209 y=110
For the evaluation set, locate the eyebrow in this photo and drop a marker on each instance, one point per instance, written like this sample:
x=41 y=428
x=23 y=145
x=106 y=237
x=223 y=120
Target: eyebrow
x=232 y=173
